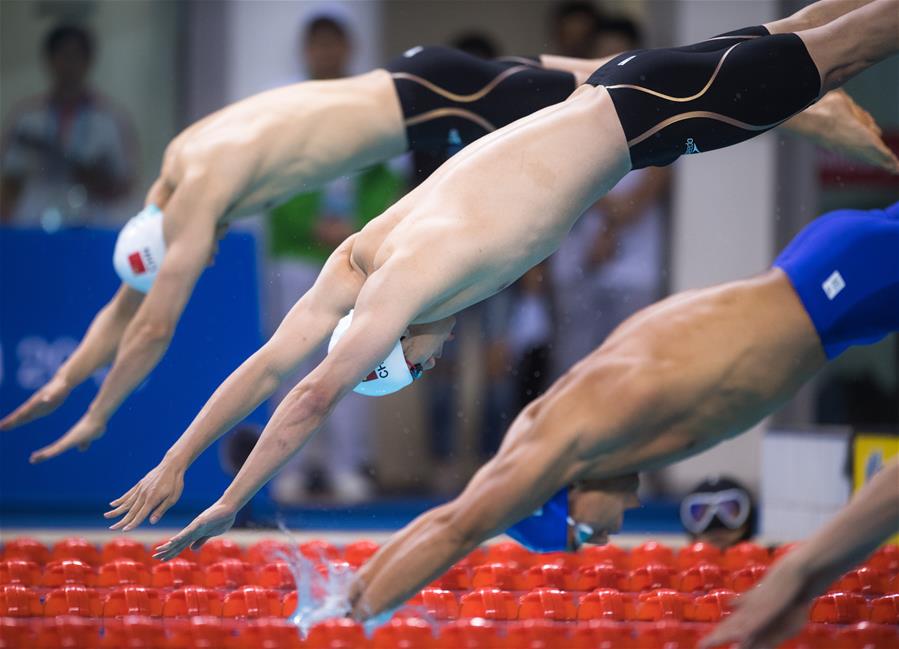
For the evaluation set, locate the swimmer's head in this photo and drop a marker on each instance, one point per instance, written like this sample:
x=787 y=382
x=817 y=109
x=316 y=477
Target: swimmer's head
x=599 y=505
x=391 y=375
x=140 y=249
x=586 y=512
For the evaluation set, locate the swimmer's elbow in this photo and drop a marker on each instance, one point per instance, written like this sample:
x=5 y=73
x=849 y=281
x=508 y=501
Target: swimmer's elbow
x=465 y=527
x=310 y=403
x=154 y=332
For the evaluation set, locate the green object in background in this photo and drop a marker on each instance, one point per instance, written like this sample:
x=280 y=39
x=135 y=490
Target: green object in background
x=292 y=224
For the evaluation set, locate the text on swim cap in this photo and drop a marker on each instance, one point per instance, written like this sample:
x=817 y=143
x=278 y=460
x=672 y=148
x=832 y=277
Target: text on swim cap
x=380 y=372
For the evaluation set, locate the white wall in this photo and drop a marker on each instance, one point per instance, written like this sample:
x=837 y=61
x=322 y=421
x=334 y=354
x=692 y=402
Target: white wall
x=263 y=39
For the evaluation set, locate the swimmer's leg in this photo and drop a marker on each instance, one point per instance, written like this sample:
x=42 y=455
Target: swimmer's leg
x=844 y=47
x=814 y=15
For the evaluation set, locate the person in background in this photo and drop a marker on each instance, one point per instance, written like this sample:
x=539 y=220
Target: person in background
x=303 y=232
x=612 y=264
x=529 y=336
x=476 y=43
x=68 y=155
x=720 y=511
x=573 y=25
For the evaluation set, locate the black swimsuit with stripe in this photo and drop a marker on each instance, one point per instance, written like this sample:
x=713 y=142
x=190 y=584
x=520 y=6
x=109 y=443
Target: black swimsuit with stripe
x=709 y=95
x=450 y=99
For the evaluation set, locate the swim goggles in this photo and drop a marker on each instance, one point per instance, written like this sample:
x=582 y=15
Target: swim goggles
x=730 y=506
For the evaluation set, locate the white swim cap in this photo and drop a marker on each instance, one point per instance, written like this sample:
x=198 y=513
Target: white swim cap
x=140 y=248
x=390 y=376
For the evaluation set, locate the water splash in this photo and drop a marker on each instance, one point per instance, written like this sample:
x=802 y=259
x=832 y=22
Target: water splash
x=321 y=595
x=325 y=594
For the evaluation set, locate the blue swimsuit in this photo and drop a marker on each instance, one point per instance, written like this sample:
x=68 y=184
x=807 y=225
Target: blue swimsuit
x=845 y=269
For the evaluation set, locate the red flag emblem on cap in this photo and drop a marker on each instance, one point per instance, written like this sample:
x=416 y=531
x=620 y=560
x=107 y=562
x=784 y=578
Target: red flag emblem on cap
x=371 y=376
x=136 y=263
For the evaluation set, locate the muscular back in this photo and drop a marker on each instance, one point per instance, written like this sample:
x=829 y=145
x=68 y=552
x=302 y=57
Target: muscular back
x=458 y=239
x=690 y=371
x=270 y=146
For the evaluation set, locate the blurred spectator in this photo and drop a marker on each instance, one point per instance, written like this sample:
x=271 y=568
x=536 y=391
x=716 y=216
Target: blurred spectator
x=530 y=335
x=615 y=35
x=68 y=155
x=573 y=27
x=302 y=233
x=477 y=44
x=612 y=263
x=720 y=511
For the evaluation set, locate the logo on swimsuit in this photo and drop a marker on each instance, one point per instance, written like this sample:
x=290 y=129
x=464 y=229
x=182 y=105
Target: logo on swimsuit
x=627 y=60
x=412 y=51
x=691 y=147
x=454 y=142
x=833 y=285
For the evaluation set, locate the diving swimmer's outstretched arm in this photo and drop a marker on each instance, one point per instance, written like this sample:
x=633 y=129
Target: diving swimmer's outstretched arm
x=778 y=606
x=96 y=350
x=151 y=327
x=516 y=482
x=383 y=311
x=232 y=162
x=304 y=328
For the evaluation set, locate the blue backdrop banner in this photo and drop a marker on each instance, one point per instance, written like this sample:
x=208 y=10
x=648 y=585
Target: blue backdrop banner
x=51 y=286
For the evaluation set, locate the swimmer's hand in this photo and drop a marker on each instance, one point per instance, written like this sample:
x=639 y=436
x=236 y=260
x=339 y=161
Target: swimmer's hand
x=156 y=492
x=423 y=344
x=81 y=435
x=39 y=404
x=216 y=520
x=768 y=614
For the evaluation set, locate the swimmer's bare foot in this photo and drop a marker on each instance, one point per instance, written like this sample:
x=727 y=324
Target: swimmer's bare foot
x=846 y=128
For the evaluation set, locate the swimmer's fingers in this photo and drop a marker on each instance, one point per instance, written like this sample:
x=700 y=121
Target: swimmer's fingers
x=130 y=520
x=216 y=520
x=118 y=511
x=162 y=509
x=126 y=503
x=121 y=499
x=81 y=435
x=139 y=515
x=39 y=404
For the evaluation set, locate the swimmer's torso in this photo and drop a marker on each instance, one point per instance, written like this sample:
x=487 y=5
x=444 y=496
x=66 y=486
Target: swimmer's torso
x=456 y=232
x=276 y=144
x=724 y=357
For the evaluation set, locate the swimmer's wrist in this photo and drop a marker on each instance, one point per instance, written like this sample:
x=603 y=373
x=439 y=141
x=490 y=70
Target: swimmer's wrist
x=97 y=415
x=176 y=459
x=231 y=502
